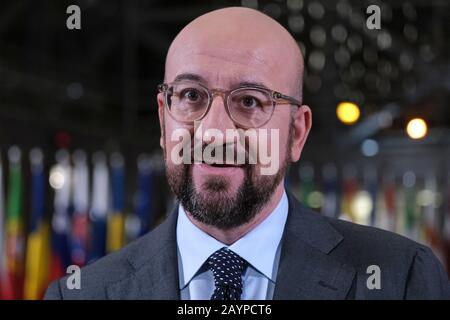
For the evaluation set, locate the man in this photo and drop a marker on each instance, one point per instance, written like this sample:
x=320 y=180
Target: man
x=237 y=234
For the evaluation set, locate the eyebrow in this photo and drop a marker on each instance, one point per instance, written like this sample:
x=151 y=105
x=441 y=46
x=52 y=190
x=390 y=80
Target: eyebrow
x=198 y=78
x=250 y=84
x=190 y=76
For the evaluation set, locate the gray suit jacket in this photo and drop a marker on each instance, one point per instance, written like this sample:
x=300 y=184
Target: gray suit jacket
x=321 y=258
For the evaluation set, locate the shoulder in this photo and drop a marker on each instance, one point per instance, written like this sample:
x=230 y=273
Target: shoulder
x=349 y=241
x=407 y=267
x=114 y=267
x=373 y=240
x=96 y=276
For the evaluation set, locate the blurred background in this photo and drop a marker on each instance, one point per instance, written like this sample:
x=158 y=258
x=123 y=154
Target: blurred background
x=81 y=169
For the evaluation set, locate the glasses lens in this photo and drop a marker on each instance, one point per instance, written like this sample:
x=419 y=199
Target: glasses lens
x=250 y=107
x=187 y=101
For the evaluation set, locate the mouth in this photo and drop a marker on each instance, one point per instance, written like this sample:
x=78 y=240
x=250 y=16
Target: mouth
x=222 y=165
x=218 y=168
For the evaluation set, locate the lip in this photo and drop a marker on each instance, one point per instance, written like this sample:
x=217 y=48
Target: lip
x=217 y=170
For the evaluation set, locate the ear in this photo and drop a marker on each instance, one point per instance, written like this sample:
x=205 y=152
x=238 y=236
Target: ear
x=301 y=125
x=160 y=100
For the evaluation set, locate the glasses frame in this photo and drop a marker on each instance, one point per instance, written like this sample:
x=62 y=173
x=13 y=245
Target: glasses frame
x=276 y=97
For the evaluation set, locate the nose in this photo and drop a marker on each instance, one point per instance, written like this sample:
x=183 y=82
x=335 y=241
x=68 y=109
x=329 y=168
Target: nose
x=215 y=121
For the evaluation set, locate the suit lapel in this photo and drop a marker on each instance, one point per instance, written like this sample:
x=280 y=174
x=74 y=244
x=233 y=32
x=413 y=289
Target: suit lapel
x=306 y=270
x=156 y=266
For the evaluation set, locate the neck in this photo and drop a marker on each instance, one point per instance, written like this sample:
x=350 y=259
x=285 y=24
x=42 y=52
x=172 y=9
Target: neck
x=230 y=236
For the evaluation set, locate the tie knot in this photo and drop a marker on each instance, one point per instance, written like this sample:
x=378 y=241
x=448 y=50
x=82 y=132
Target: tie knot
x=227 y=268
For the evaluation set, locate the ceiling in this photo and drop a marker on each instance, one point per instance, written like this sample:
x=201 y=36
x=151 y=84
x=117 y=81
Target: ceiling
x=99 y=83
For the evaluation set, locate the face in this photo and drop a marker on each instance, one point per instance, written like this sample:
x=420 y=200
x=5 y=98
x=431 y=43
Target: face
x=227 y=196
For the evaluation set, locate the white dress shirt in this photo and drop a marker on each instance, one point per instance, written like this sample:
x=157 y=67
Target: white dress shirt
x=260 y=248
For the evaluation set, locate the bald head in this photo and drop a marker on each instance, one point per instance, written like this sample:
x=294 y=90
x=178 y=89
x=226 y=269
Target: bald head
x=236 y=38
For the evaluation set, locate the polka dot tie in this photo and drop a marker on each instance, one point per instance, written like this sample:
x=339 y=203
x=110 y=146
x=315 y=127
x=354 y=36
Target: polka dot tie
x=227 y=268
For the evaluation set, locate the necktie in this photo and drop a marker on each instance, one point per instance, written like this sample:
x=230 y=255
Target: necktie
x=227 y=268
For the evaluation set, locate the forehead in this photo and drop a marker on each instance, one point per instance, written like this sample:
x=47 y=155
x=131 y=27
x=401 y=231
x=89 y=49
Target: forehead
x=227 y=64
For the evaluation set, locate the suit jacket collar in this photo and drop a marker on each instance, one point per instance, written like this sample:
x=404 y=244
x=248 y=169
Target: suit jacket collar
x=306 y=271
x=155 y=263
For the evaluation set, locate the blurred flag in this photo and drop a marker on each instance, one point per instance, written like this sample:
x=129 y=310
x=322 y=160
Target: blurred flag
x=36 y=276
x=308 y=192
x=306 y=186
x=99 y=208
x=350 y=188
x=145 y=193
x=330 y=190
x=362 y=208
x=15 y=242
x=447 y=220
x=60 y=181
x=428 y=201
x=5 y=283
x=371 y=186
x=79 y=238
x=409 y=216
x=387 y=207
x=139 y=223
x=116 y=220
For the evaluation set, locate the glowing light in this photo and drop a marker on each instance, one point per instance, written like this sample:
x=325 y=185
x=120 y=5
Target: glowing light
x=317 y=60
x=361 y=207
x=295 y=5
x=315 y=199
x=75 y=90
x=384 y=40
x=318 y=36
x=56 y=178
x=296 y=23
x=417 y=128
x=348 y=112
x=425 y=198
x=14 y=154
x=369 y=148
x=339 y=33
x=409 y=179
x=342 y=56
x=316 y=10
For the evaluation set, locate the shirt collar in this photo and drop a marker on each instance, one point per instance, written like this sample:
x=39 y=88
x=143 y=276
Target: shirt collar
x=258 y=247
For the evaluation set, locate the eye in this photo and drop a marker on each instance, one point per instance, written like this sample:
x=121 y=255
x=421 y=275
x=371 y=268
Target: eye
x=191 y=95
x=250 y=102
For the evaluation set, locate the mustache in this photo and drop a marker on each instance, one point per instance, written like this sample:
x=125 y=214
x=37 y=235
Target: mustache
x=231 y=153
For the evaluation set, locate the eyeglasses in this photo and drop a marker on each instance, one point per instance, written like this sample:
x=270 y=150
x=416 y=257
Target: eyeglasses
x=250 y=107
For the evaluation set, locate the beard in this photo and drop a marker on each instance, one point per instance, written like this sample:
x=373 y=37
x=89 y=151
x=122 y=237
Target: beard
x=214 y=206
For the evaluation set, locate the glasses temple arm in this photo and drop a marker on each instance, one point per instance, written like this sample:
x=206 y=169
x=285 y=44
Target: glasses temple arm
x=290 y=100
